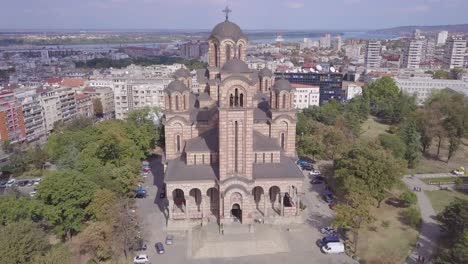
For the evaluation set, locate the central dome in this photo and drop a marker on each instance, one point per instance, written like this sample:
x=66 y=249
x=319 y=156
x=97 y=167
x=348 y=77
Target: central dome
x=227 y=30
x=235 y=66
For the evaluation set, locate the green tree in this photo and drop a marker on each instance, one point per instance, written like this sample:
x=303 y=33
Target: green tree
x=382 y=95
x=412 y=138
x=14 y=209
x=98 y=109
x=310 y=146
x=7 y=146
x=96 y=240
x=58 y=254
x=408 y=198
x=66 y=194
x=394 y=144
x=102 y=204
x=412 y=217
x=333 y=141
x=21 y=241
x=441 y=74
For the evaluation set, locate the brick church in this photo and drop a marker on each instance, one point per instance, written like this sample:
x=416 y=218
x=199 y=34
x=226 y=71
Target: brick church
x=230 y=147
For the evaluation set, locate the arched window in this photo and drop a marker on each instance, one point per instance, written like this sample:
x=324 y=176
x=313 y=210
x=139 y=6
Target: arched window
x=216 y=55
x=236 y=97
x=203 y=158
x=195 y=159
x=282 y=140
x=256 y=158
x=241 y=100
x=239 y=52
x=266 y=85
x=228 y=52
x=263 y=157
x=261 y=85
x=284 y=101
x=170 y=102
x=231 y=100
x=236 y=144
x=271 y=156
x=185 y=106
x=177 y=102
x=178 y=144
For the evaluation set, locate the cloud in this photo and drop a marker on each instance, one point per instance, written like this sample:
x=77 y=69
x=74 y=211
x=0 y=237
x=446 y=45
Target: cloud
x=295 y=5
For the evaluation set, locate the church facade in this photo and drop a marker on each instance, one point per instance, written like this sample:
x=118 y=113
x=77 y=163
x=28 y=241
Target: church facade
x=230 y=148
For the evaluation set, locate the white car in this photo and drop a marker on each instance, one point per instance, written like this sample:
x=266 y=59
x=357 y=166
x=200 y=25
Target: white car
x=333 y=248
x=141 y=259
x=32 y=194
x=315 y=173
x=10 y=183
x=458 y=172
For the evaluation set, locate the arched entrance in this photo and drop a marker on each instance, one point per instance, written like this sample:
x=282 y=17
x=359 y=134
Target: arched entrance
x=236 y=213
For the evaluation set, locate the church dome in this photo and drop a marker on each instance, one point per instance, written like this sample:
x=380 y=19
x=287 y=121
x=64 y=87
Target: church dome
x=182 y=73
x=282 y=85
x=265 y=72
x=176 y=86
x=227 y=30
x=235 y=66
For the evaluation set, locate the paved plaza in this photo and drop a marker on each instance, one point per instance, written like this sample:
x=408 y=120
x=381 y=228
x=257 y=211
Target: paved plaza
x=294 y=243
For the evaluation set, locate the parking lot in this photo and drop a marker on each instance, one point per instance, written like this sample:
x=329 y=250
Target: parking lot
x=301 y=239
x=27 y=189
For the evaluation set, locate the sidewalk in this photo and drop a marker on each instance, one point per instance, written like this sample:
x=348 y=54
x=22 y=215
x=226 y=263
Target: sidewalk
x=430 y=230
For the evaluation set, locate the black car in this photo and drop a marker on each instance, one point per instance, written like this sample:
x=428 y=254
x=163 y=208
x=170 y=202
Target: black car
x=317 y=181
x=22 y=183
x=159 y=248
x=320 y=178
x=307 y=167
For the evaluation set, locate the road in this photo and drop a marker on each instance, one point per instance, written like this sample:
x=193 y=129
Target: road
x=430 y=230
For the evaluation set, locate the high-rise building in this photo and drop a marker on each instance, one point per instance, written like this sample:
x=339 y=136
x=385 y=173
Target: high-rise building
x=417 y=34
x=454 y=52
x=429 y=49
x=84 y=105
x=373 y=57
x=58 y=104
x=337 y=43
x=32 y=113
x=11 y=118
x=442 y=38
x=413 y=53
x=325 y=41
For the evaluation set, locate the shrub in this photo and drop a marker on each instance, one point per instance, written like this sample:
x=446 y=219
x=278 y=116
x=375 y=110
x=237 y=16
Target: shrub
x=385 y=224
x=412 y=217
x=408 y=198
x=302 y=206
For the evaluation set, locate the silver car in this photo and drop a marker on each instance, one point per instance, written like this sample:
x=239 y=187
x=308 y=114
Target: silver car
x=169 y=239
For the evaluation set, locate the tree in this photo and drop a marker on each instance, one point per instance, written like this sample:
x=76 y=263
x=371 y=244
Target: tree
x=333 y=140
x=412 y=138
x=394 y=144
x=96 y=239
x=412 y=216
x=102 y=204
x=7 y=146
x=353 y=214
x=310 y=146
x=382 y=95
x=369 y=169
x=66 y=194
x=441 y=74
x=408 y=198
x=58 y=254
x=14 y=209
x=21 y=241
x=98 y=109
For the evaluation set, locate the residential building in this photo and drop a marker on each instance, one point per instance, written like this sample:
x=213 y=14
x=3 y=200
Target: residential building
x=84 y=105
x=11 y=118
x=442 y=38
x=194 y=49
x=32 y=113
x=58 y=104
x=325 y=41
x=417 y=34
x=413 y=53
x=352 y=90
x=373 y=57
x=455 y=52
x=330 y=83
x=337 y=43
x=353 y=51
x=423 y=88
x=105 y=95
x=231 y=150
x=306 y=96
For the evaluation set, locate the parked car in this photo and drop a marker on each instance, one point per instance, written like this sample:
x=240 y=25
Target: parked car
x=330 y=239
x=30 y=183
x=162 y=194
x=302 y=162
x=37 y=181
x=3 y=184
x=169 y=239
x=140 y=193
x=327 y=230
x=159 y=248
x=458 y=172
x=317 y=181
x=22 y=183
x=328 y=198
x=141 y=259
x=307 y=167
x=10 y=183
x=333 y=248
x=33 y=193
x=315 y=173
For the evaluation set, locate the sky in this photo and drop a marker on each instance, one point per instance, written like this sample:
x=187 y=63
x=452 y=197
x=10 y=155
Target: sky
x=249 y=14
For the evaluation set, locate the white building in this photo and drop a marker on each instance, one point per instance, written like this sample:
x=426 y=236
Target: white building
x=413 y=53
x=352 y=90
x=423 y=88
x=58 y=104
x=442 y=38
x=353 y=51
x=306 y=96
x=32 y=113
x=337 y=43
x=373 y=57
x=454 y=52
x=325 y=41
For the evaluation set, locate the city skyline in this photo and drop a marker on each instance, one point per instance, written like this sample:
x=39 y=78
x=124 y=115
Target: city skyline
x=258 y=15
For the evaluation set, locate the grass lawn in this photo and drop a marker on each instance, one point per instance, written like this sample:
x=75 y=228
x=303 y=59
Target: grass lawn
x=441 y=198
x=371 y=129
x=392 y=244
x=444 y=180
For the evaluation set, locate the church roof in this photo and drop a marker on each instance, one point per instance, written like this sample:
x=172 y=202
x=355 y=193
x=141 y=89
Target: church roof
x=176 y=86
x=182 y=73
x=286 y=169
x=282 y=85
x=206 y=142
x=265 y=72
x=235 y=66
x=178 y=171
x=264 y=143
x=227 y=30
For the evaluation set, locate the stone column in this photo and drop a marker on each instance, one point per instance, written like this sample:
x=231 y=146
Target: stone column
x=265 y=200
x=281 y=204
x=186 y=209
x=171 y=206
x=298 y=201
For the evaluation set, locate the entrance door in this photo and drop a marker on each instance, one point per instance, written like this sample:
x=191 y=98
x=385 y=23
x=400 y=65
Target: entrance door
x=236 y=213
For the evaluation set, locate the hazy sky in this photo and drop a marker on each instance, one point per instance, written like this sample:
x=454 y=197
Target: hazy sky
x=249 y=14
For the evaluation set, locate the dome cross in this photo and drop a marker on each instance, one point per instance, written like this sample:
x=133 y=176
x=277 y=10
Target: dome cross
x=227 y=11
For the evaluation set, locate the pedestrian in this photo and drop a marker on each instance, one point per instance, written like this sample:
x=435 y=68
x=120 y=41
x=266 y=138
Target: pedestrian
x=423 y=260
x=419 y=259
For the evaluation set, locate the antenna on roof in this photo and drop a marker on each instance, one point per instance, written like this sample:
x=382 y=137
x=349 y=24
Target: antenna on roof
x=227 y=11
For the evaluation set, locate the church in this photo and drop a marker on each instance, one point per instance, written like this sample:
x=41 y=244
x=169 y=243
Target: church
x=231 y=148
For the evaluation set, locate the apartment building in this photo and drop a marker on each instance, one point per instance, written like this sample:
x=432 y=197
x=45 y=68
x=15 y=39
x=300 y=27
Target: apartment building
x=84 y=105
x=413 y=53
x=373 y=57
x=454 y=55
x=106 y=96
x=423 y=87
x=306 y=96
x=58 y=104
x=11 y=118
x=32 y=113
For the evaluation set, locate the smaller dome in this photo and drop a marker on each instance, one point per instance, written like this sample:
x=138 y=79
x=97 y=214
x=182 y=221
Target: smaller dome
x=235 y=66
x=182 y=73
x=265 y=72
x=282 y=85
x=176 y=86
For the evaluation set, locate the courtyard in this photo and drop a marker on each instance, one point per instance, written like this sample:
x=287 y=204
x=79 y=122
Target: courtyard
x=257 y=243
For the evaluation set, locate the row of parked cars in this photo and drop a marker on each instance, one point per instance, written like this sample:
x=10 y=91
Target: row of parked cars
x=21 y=183
x=143 y=258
